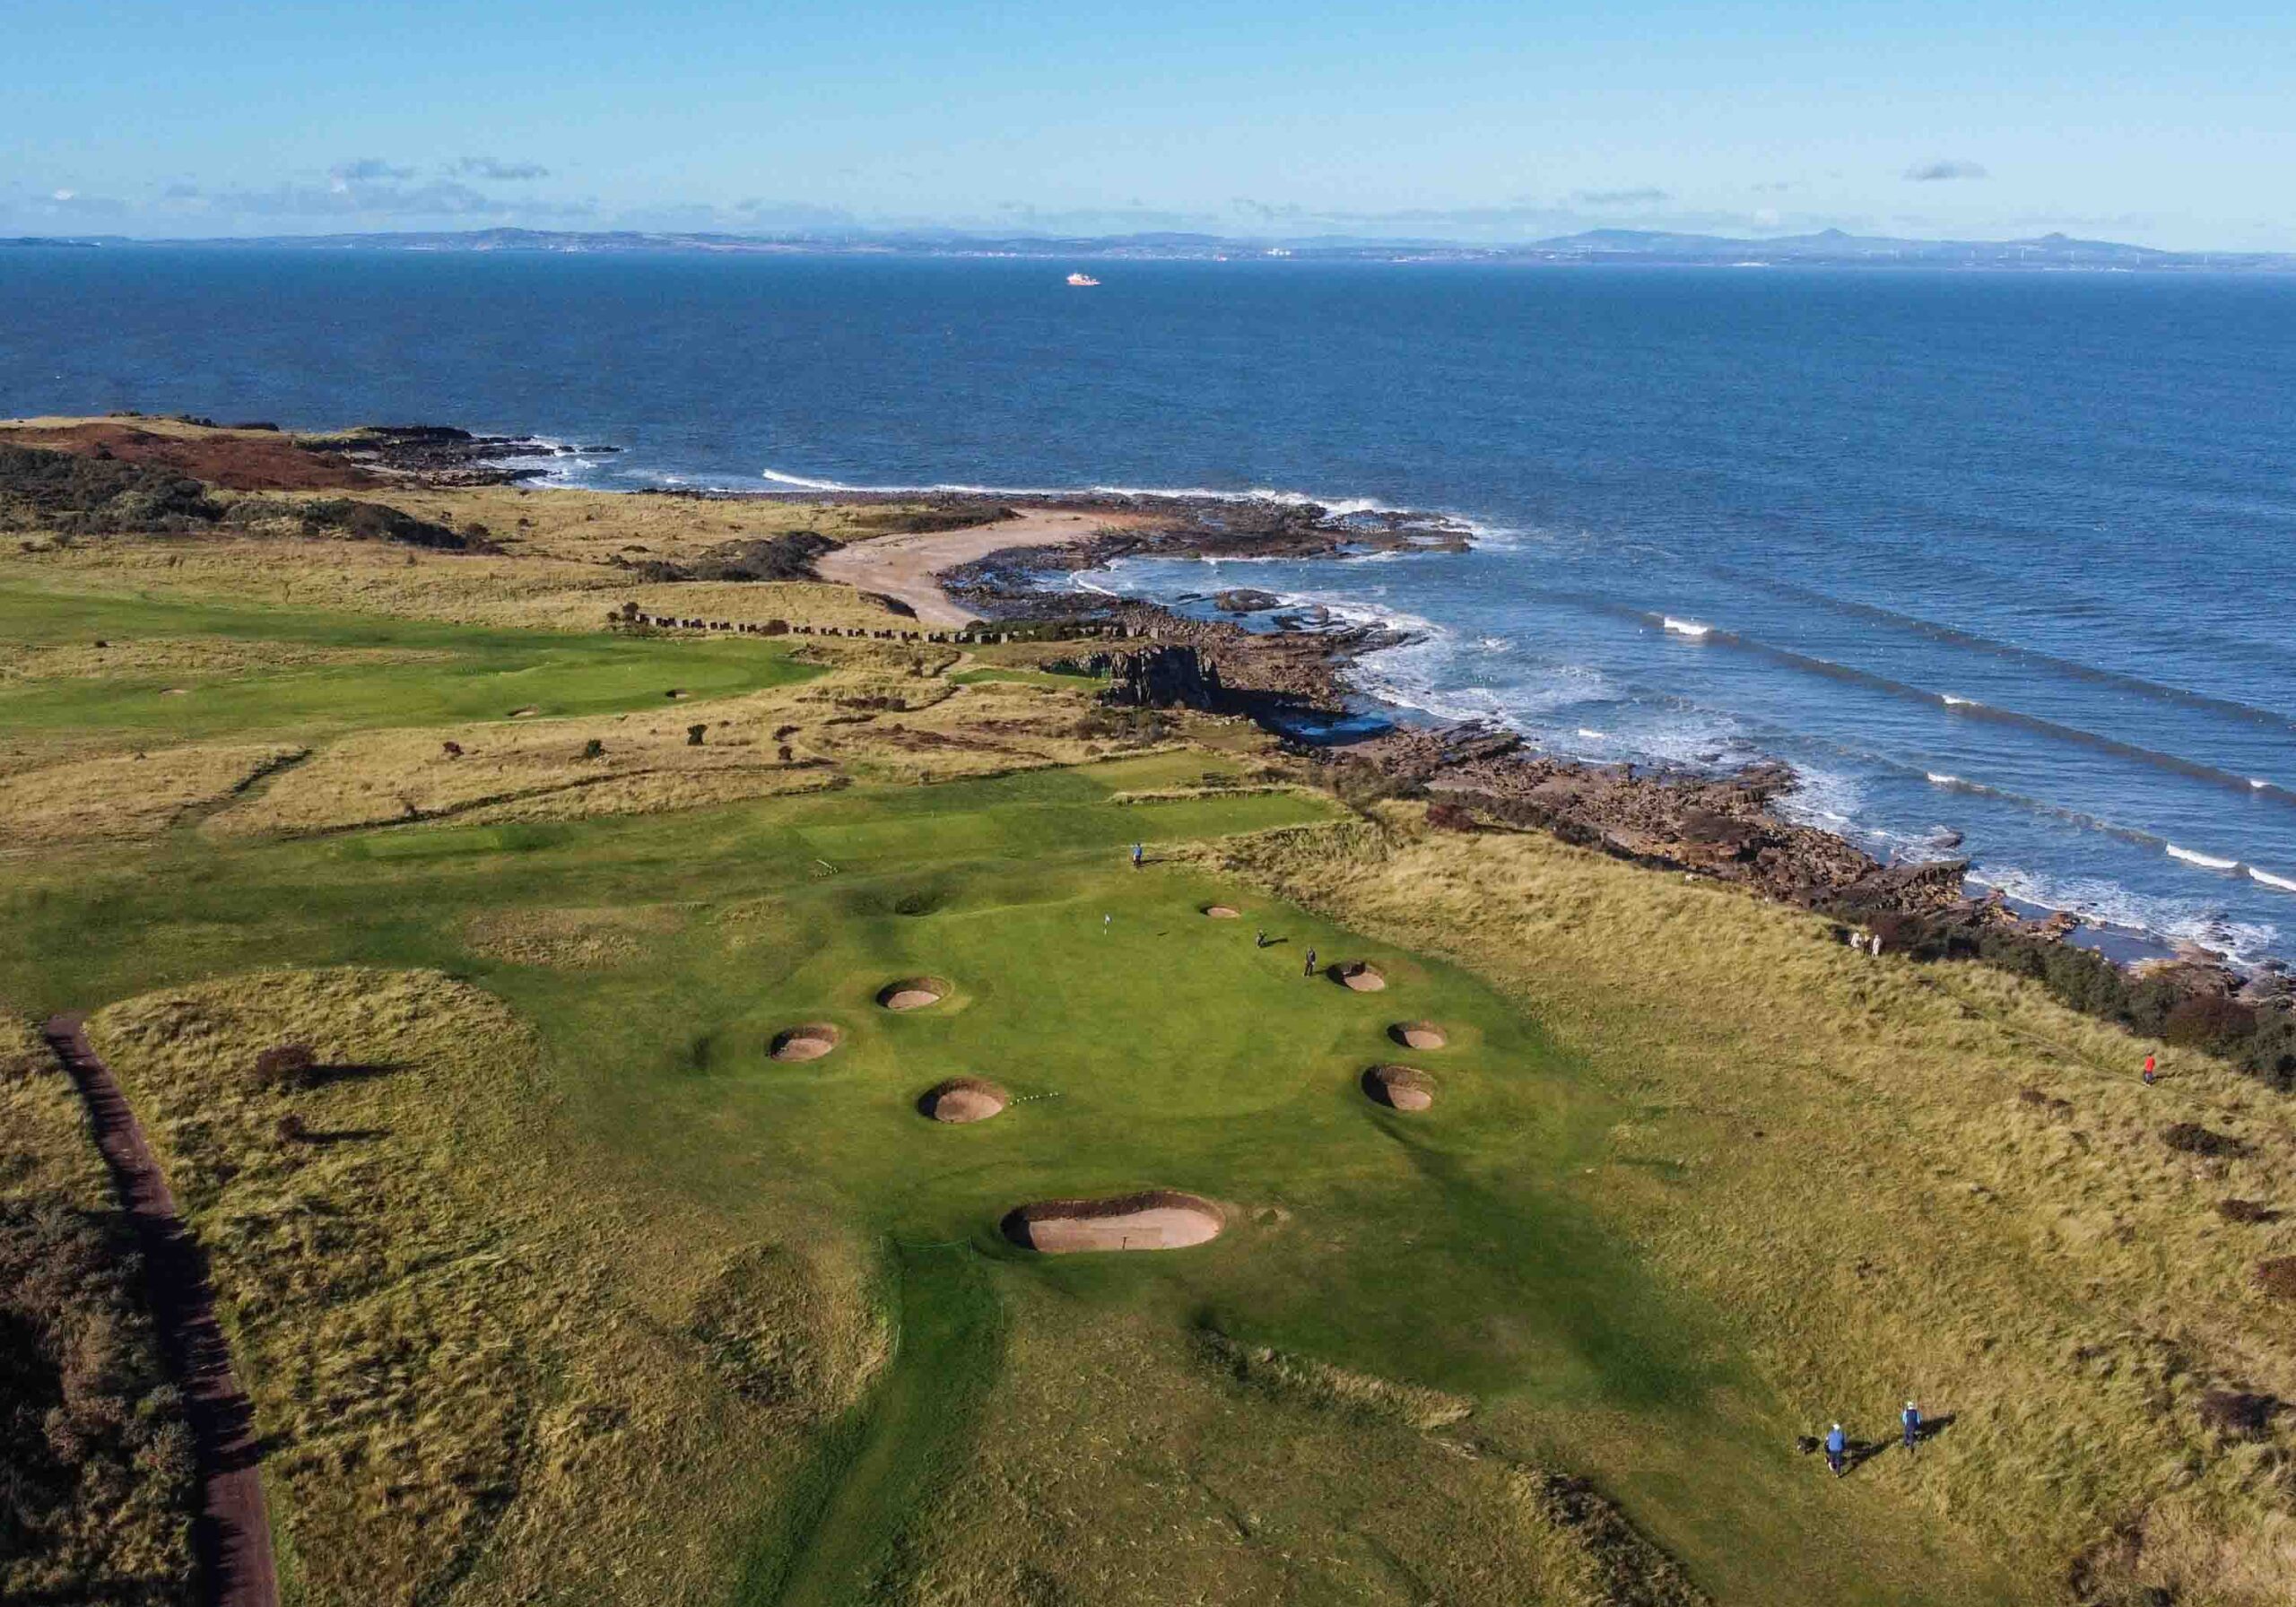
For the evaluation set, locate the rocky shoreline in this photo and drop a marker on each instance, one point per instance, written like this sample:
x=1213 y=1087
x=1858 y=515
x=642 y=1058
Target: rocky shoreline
x=441 y=454
x=1292 y=678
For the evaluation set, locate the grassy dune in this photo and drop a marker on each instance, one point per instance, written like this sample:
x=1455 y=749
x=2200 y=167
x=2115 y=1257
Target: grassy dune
x=1902 y=1180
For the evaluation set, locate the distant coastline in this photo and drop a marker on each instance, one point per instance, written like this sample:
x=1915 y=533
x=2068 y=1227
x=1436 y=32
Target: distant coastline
x=1828 y=248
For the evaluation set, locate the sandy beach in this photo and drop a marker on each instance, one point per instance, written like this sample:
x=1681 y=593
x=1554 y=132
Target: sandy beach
x=908 y=567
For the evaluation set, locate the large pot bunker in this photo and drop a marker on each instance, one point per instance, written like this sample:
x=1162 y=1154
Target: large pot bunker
x=1399 y=1087
x=1359 y=976
x=963 y=1099
x=809 y=1042
x=1160 y=1218
x=1418 y=1035
x=914 y=992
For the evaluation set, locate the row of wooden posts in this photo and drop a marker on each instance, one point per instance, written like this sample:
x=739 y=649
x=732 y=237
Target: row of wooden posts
x=629 y=614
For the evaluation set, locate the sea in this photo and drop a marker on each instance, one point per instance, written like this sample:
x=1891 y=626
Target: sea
x=2002 y=563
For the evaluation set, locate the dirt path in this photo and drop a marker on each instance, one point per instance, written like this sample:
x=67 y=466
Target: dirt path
x=906 y=565
x=233 y=1533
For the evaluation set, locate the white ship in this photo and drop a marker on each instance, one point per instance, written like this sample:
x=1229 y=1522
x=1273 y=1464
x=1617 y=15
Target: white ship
x=1082 y=279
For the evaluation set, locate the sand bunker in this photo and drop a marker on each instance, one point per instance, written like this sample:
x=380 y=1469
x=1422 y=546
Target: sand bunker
x=809 y=1042
x=1361 y=974
x=1418 y=1035
x=963 y=1099
x=913 y=992
x=1159 y=1220
x=1222 y=912
x=520 y=714
x=1400 y=1087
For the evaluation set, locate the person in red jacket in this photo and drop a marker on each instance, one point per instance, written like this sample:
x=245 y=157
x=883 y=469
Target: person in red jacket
x=2148 y=1065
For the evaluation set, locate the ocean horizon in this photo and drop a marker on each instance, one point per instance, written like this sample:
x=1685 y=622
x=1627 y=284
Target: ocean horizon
x=1997 y=562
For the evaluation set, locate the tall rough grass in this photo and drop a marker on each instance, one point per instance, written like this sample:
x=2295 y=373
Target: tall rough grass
x=486 y=1377
x=1903 y=1180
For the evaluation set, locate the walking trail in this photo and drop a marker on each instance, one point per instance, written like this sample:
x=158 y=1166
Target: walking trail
x=232 y=1534
x=908 y=567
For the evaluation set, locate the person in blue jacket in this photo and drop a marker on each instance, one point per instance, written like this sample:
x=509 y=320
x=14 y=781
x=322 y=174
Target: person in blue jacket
x=1837 y=1450
x=1912 y=1418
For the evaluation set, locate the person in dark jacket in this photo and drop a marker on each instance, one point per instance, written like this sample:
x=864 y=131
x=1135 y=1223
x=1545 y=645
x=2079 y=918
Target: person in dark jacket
x=1312 y=964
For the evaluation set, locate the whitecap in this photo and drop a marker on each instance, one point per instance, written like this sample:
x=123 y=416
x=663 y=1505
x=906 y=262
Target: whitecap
x=1952 y=701
x=2208 y=861
x=1689 y=627
x=2286 y=884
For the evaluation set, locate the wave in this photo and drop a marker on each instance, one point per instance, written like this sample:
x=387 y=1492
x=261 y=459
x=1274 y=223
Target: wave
x=2109 y=903
x=2194 y=768
x=1689 y=627
x=1334 y=506
x=2096 y=675
x=2209 y=862
x=2286 y=884
x=803 y=483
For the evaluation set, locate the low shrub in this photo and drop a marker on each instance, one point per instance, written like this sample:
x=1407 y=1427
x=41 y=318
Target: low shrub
x=285 y=1066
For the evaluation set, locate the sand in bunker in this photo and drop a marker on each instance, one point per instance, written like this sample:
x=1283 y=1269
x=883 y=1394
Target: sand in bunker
x=1400 y=1087
x=963 y=1099
x=1222 y=912
x=1418 y=1035
x=913 y=992
x=1159 y=1220
x=1360 y=974
x=808 y=1042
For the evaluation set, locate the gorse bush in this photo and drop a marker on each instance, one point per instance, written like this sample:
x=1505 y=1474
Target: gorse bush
x=96 y=496
x=285 y=1065
x=95 y=1459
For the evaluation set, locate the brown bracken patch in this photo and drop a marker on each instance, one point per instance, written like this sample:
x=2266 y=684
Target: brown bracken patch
x=239 y=460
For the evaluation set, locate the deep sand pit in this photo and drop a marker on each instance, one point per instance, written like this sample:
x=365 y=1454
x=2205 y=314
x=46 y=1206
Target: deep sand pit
x=963 y=1099
x=1159 y=1220
x=1222 y=912
x=1418 y=1035
x=1359 y=976
x=913 y=992
x=809 y=1042
x=1400 y=1087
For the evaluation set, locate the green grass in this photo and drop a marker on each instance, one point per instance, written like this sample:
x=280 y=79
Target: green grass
x=1478 y=1249
x=477 y=673
x=1147 y=1045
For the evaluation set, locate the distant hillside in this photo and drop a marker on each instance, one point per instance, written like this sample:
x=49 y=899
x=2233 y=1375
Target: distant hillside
x=1831 y=247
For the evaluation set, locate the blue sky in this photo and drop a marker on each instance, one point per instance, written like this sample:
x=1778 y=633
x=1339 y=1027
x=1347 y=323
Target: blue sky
x=1484 y=121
